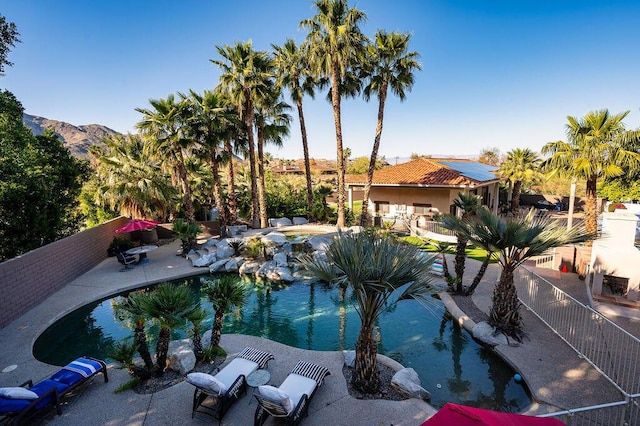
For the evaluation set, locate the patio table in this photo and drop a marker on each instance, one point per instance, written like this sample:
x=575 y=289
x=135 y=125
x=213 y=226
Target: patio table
x=142 y=252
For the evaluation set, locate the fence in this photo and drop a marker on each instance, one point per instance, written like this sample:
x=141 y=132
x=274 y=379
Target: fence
x=609 y=348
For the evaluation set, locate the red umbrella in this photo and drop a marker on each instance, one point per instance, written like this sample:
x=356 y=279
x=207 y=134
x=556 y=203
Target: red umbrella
x=453 y=414
x=136 y=225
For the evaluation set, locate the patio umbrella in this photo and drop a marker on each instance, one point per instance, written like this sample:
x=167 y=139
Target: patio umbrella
x=136 y=225
x=453 y=414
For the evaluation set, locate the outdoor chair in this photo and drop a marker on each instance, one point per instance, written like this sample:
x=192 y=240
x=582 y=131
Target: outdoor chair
x=20 y=404
x=291 y=400
x=126 y=260
x=214 y=395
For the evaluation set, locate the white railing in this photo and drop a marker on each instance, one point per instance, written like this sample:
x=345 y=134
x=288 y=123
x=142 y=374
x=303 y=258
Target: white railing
x=609 y=348
x=545 y=261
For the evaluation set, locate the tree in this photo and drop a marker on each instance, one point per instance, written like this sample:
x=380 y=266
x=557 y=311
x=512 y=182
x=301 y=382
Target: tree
x=224 y=293
x=516 y=239
x=163 y=126
x=196 y=317
x=168 y=304
x=380 y=272
x=595 y=149
x=490 y=156
x=134 y=304
x=293 y=72
x=468 y=204
x=40 y=182
x=390 y=66
x=8 y=39
x=335 y=46
x=521 y=165
x=244 y=79
x=360 y=165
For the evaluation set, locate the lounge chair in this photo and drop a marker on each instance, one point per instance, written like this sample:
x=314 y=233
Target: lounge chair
x=291 y=400
x=223 y=389
x=19 y=404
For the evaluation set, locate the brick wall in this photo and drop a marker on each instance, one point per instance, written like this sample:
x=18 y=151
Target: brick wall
x=30 y=278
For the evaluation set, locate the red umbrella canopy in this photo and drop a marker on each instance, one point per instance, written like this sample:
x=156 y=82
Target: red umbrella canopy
x=452 y=414
x=136 y=225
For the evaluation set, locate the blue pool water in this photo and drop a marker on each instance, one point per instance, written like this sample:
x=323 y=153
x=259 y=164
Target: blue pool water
x=451 y=365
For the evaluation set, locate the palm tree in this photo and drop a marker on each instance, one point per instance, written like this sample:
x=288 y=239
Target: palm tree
x=516 y=239
x=380 y=271
x=224 y=293
x=245 y=79
x=595 y=149
x=521 y=165
x=129 y=181
x=335 y=46
x=196 y=317
x=293 y=72
x=208 y=120
x=390 y=66
x=163 y=126
x=134 y=305
x=167 y=304
x=467 y=204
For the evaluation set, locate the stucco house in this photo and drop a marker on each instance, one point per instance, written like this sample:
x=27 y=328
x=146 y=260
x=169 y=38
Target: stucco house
x=424 y=186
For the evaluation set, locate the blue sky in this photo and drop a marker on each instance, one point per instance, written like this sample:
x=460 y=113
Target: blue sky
x=499 y=74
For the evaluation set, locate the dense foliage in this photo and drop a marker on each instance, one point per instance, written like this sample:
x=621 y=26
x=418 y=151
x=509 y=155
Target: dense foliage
x=40 y=182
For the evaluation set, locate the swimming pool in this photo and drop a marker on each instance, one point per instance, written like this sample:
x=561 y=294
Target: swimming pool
x=451 y=365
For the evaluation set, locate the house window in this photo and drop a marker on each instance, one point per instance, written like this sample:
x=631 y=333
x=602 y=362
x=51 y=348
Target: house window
x=421 y=208
x=382 y=207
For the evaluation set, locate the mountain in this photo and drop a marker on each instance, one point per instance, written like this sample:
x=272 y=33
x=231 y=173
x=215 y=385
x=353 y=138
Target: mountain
x=77 y=139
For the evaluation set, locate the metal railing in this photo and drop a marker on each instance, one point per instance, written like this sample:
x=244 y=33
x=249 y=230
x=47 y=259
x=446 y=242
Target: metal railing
x=437 y=228
x=606 y=346
x=545 y=261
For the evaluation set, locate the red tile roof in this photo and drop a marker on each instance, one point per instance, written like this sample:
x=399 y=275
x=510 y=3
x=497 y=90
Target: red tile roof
x=421 y=171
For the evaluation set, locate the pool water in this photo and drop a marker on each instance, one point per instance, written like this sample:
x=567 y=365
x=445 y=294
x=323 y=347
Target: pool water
x=451 y=365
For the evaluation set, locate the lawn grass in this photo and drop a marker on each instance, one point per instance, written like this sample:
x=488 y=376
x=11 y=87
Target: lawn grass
x=471 y=252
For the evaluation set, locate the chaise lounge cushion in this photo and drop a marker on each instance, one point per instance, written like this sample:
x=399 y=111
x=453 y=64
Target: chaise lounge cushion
x=17 y=393
x=237 y=367
x=278 y=396
x=296 y=385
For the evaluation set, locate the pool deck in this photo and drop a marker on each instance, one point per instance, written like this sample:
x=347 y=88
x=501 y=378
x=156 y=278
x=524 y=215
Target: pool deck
x=551 y=369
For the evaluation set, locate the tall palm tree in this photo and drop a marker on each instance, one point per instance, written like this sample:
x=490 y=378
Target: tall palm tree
x=380 y=271
x=134 y=305
x=516 y=239
x=468 y=204
x=162 y=124
x=245 y=79
x=595 y=149
x=272 y=123
x=335 y=47
x=167 y=304
x=208 y=120
x=521 y=165
x=224 y=293
x=293 y=72
x=390 y=66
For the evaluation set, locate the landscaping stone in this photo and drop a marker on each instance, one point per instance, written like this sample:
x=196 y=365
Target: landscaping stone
x=280 y=222
x=236 y=230
x=281 y=259
x=349 y=358
x=265 y=269
x=274 y=238
x=224 y=250
x=249 y=267
x=300 y=221
x=320 y=256
x=319 y=243
x=487 y=334
x=218 y=265
x=234 y=264
x=407 y=382
x=205 y=260
x=206 y=339
x=282 y=273
x=181 y=356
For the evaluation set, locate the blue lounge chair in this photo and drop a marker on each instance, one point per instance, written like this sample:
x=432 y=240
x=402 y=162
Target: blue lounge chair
x=19 y=404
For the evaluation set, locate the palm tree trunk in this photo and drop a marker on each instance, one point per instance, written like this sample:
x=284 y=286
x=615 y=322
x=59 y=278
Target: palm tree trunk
x=198 y=350
x=162 y=348
x=307 y=165
x=590 y=215
x=233 y=203
x=262 y=192
x=505 y=308
x=515 y=197
x=479 y=275
x=143 y=348
x=216 y=331
x=217 y=195
x=255 y=221
x=459 y=261
x=365 y=378
x=445 y=267
x=335 y=101
x=186 y=190
x=374 y=156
